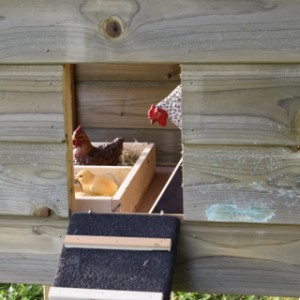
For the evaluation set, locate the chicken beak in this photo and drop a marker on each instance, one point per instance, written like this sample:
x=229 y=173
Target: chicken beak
x=152 y=121
x=77 y=183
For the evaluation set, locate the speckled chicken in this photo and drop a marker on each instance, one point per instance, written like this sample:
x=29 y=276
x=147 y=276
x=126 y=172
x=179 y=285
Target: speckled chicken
x=84 y=153
x=169 y=108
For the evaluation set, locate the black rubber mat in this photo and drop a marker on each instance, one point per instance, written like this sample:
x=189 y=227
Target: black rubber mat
x=149 y=271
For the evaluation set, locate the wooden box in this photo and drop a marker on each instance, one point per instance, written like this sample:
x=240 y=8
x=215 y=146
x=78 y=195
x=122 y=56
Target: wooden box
x=133 y=181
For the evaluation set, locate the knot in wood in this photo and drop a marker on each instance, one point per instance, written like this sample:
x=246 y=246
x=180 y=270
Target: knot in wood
x=113 y=28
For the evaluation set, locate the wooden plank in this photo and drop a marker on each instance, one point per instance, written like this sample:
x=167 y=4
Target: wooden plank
x=210 y=257
x=46 y=289
x=117 y=243
x=143 y=31
x=138 y=180
x=170 y=198
x=30 y=248
x=241 y=104
x=33 y=176
x=238 y=259
x=60 y=293
x=119 y=104
x=69 y=124
x=160 y=178
x=241 y=184
x=127 y=72
x=167 y=141
x=31 y=100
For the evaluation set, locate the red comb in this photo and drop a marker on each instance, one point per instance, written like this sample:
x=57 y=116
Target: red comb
x=78 y=130
x=151 y=111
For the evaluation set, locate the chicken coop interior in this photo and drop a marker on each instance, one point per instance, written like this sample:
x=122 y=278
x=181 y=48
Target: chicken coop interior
x=112 y=101
x=229 y=175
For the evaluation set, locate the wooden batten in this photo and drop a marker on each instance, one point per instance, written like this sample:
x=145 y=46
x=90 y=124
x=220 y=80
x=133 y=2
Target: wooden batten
x=138 y=180
x=117 y=243
x=70 y=121
x=240 y=129
x=58 y=293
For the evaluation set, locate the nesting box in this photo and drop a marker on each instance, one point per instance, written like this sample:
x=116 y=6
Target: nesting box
x=132 y=181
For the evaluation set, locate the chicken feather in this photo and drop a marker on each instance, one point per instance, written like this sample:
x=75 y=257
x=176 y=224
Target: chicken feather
x=84 y=153
x=94 y=185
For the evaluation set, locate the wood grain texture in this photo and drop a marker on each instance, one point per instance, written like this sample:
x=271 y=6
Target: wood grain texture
x=119 y=104
x=117 y=243
x=172 y=31
x=238 y=259
x=33 y=176
x=124 y=72
x=241 y=104
x=30 y=248
x=138 y=180
x=241 y=184
x=31 y=101
x=211 y=256
x=69 y=124
x=65 y=293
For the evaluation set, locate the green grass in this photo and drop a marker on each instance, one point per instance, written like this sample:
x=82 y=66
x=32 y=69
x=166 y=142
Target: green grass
x=198 y=296
x=21 y=292
x=35 y=292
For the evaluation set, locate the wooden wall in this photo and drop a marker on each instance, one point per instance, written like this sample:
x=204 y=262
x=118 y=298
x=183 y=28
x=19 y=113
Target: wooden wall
x=212 y=256
x=113 y=100
x=241 y=126
x=33 y=151
x=238 y=258
x=149 y=31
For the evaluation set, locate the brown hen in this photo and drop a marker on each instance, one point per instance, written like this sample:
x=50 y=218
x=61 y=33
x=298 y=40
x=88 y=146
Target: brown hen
x=84 y=153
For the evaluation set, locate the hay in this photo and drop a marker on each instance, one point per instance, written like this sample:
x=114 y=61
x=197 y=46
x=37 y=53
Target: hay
x=129 y=156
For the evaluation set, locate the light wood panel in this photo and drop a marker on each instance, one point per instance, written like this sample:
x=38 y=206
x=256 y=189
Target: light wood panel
x=69 y=124
x=130 y=72
x=212 y=257
x=31 y=101
x=30 y=248
x=238 y=259
x=241 y=104
x=33 y=176
x=241 y=184
x=63 y=293
x=119 y=104
x=149 y=31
